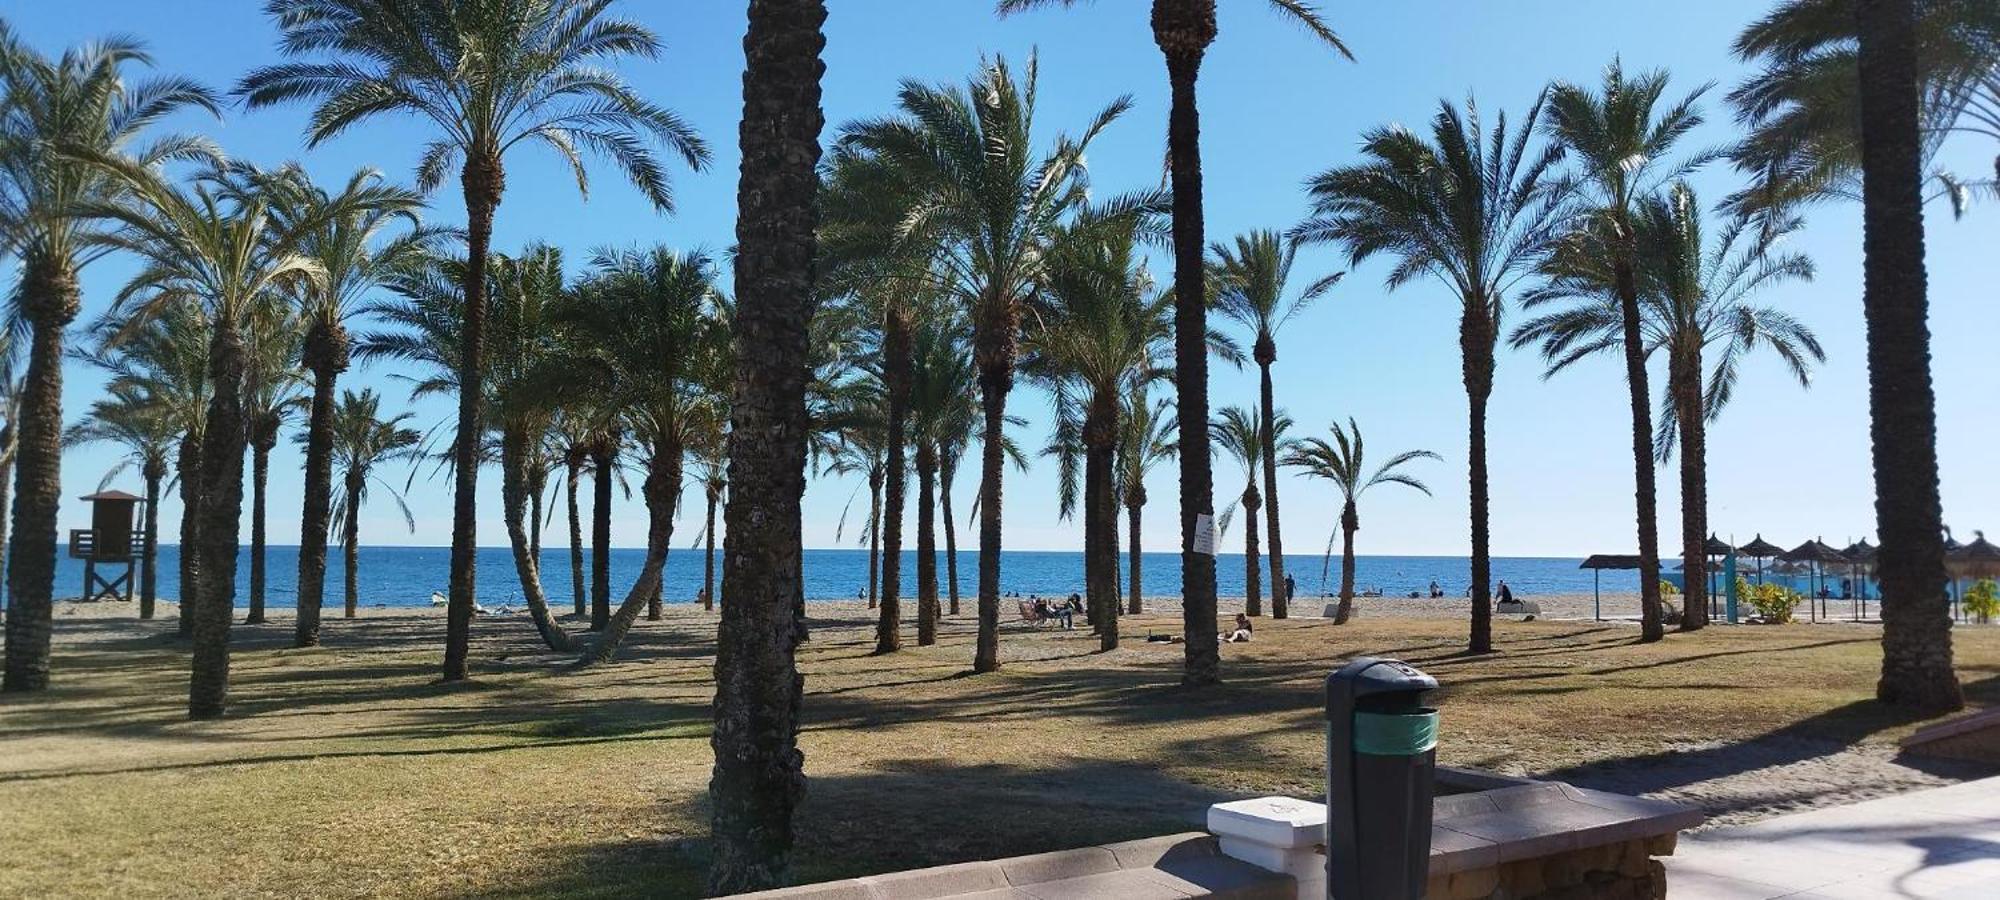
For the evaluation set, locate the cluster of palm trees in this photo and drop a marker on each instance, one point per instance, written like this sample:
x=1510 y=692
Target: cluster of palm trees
x=889 y=295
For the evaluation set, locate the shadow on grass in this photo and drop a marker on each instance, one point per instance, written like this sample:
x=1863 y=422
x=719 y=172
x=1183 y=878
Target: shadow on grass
x=868 y=823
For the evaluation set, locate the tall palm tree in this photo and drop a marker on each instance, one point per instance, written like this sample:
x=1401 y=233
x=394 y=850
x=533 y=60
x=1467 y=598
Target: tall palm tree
x=1695 y=296
x=164 y=357
x=489 y=76
x=859 y=430
x=527 y=297
x=1183 y=30
x=943 y=378
x=711 y=460
x=1343 y=462
x=212 y=244
x=145 y=431
x=359 y=249
x=1101 y=332
x=272 y=394
x=363 y=440
x=1241 y=435
x=10 y=432
x=570 y=438
x=1883 y=125
x=759 y=774
x=1473 y=210
x=991 y=205
x=1250 y=280
x=1146 y=439
x=57 y=117
x=1803 y=108
x=1621 y=138
x=643 y=323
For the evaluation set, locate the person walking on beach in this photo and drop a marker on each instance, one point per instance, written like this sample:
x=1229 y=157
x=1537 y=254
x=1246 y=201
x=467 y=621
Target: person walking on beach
x=1291 y=588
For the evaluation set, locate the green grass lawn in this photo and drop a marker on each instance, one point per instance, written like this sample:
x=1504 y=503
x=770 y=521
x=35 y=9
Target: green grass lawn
x=345 y=771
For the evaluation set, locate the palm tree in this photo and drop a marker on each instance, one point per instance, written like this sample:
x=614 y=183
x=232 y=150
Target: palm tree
x=1241 y=435
x=1183 y=30
x=534 y=63
x=164 y=358
x=1343 y=463
x=359 y=252
x=643 y=323
x=1803 y=109
x=1694 y=297
x=1146 y=439
x=145 y=430
x=1250 y=279
x=527 y=295
x=1471 y=210
x=943 y=379
x=57 y=117
x=570 y=438
x=710 y=450
x=759 y=775
x=10 y=410
x=1102 y=332
x=1887 y=90
x=859 y=429
x=271 y=396
x=1620 y=139
x=362 y=440
x=991 y=206
x=213 y=244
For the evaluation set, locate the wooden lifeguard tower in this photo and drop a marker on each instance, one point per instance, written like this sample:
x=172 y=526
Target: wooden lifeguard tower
x=107 y=542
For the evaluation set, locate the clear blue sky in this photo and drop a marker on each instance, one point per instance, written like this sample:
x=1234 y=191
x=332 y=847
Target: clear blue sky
x=1789 y=463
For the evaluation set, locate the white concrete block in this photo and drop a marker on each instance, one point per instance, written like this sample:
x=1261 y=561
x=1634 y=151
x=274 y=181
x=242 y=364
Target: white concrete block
x=1280 y=822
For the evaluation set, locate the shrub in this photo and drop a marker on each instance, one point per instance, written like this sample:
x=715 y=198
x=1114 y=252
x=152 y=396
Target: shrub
x=1667 y=588
x=1774 y=602
x=1983 y=601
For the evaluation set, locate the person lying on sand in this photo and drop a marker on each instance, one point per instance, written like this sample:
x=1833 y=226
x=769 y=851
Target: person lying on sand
x=1241 y=634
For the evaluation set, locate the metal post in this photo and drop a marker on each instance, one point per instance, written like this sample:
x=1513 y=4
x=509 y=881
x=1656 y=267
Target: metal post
x=1597 y=594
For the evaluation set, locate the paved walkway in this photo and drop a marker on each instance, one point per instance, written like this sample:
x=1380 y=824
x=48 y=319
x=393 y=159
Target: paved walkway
x=1938 y=844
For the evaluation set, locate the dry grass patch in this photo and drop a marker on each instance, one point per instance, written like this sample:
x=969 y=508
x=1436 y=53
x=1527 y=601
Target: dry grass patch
x=345 y=771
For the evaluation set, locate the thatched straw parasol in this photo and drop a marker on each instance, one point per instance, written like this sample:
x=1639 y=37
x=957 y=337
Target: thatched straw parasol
x=1760 y=550
x=1979 y=559
x=1815 y=553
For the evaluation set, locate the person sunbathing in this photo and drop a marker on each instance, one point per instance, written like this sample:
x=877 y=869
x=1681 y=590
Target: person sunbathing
x=1240 y=634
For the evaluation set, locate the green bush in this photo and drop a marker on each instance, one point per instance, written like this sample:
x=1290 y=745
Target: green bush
x=1983 y=601
x=1773 y=602
x=1667 y=588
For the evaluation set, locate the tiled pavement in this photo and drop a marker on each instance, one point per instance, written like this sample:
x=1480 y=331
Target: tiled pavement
x=1939 y=844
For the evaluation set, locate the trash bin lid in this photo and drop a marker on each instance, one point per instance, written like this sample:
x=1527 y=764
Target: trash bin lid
x=1367 y=676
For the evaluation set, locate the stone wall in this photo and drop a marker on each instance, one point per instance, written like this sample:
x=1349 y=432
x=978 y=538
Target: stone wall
x=1622 y=871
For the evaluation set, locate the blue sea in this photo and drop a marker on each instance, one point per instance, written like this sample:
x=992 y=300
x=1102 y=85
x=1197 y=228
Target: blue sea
x=406 y=576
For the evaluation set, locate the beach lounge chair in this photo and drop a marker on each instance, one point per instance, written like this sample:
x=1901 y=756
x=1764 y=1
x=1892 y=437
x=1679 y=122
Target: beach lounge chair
x=1029 y=615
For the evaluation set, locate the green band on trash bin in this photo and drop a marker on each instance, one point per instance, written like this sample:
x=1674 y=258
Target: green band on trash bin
x=1395 y=734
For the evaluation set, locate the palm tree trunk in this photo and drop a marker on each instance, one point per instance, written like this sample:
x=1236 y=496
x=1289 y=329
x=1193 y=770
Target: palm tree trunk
x=527 y=565
x=223 y=445
x=188 y=467
x=874 y=536
x=927 y=588
x=1350 y=522
x=535 y=520
x=149 y=559
x=996 y=376
x=8 y=446
x=1280 y=600
x=662 y=490
x=327 y=352
x=1100 y=441
x=260 y=477
x=49 y=300
x=1916 y=621
x=575 y=464
x=947 y=473
x=759 y=774
x=896 y=365
x=1184 y=29
x=350 y=544
x=708 y=557
x=1253 y=604
x=1693 y=427
x=1135 y=602
x=1644 y=493
x=1477 y=333
x=483 y=181
x=600 y=536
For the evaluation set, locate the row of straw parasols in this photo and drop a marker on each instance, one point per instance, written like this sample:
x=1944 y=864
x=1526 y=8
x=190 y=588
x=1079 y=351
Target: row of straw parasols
x=1978 y=559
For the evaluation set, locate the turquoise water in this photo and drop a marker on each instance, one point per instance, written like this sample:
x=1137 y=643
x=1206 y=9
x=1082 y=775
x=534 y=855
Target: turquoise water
x=406 y=576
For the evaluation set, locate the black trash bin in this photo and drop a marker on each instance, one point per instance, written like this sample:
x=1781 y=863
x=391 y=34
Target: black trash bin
x=1381 y=754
